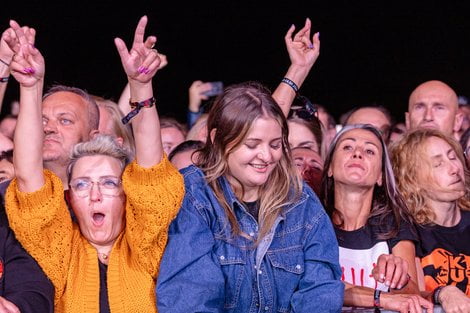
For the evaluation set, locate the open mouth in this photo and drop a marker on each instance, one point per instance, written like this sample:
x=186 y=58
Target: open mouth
x=98 y=218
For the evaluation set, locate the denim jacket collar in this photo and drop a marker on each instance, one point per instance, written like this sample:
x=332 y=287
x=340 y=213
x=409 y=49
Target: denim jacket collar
x=232 y=200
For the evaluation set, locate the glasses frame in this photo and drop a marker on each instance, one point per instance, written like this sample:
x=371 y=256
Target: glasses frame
x=86 y=193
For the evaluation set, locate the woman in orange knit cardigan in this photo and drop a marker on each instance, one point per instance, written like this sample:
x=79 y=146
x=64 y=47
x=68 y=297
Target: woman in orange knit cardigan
x=110 y=260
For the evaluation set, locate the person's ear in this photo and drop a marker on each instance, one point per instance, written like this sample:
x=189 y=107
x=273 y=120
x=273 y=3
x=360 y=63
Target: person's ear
x=379 y=180
x=213 y=131
x=120 y=141
x=458 y=120
x=93 y=133
x=407 y=120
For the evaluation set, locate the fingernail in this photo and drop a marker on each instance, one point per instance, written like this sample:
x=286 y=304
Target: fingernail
x=382 y=276
x=147 y=71
x=387 y=283
x=310 y=46
x=393 y=286
x=399 y=287
x=26 y=70
x=32 y=70
x=140 y=69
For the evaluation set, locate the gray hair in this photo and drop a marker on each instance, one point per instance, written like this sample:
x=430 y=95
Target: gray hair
x=100 y=145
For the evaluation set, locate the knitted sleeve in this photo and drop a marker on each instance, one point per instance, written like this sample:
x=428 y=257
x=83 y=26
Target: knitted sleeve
x=154 y=196
x=42 y=224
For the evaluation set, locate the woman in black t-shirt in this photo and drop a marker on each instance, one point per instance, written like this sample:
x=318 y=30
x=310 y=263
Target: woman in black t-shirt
x=431 y=176
x=377 y=252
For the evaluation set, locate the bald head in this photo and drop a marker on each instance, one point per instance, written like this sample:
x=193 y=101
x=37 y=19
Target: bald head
x=434 y=104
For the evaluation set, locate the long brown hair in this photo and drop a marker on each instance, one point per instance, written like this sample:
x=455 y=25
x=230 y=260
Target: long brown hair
x=229 y=122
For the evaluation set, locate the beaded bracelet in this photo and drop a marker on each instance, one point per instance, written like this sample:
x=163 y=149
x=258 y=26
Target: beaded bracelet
x=136 y=107
x=290 y=83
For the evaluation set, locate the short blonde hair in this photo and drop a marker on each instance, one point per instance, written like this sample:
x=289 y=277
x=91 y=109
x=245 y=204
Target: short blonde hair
x=100 y=145
x=412 y=171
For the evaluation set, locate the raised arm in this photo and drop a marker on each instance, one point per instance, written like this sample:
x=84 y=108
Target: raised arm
x=196 y=95
x=123 y=101
x=27 y=67
x=6 y=55
x=140 y=64
x=303 y=52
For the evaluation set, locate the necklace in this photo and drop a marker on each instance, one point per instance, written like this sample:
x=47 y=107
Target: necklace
x=104 y=256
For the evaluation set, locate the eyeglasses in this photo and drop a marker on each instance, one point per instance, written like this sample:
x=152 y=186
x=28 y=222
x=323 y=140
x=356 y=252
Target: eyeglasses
x=109 y=186
x=303 y=109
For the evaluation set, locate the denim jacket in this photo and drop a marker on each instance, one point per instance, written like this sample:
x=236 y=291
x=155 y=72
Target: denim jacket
x=204 y=268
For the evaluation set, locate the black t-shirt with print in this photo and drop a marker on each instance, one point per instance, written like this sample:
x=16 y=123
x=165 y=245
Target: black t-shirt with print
x=359 y=250
x=445 y=254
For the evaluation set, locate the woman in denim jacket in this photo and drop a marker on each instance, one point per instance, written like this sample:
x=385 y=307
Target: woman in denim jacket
x=249 y=237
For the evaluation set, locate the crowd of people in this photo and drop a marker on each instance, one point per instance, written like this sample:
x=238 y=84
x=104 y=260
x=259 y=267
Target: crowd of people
x=258 y=204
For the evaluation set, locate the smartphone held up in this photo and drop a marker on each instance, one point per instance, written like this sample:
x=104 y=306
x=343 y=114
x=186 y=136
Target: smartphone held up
x=216 y=89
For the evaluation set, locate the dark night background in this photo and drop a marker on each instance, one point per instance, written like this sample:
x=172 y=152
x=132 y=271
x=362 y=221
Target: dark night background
x=371 y=52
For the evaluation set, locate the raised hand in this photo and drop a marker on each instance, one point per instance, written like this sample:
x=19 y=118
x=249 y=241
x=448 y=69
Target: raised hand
x=27 y=65
x=9 y=38
x=141 y=62
x=303 y=51
x=196 y=94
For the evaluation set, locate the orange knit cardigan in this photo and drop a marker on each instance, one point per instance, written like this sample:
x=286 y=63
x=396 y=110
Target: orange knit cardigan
x=42 y=223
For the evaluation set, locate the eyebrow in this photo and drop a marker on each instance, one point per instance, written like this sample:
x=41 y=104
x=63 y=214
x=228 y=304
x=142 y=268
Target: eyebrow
x=433 y=103
x=72 y=114
x=259 y=140
x=67 y=113
x=100 y=177
x=440 y=155
x=354 y=139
